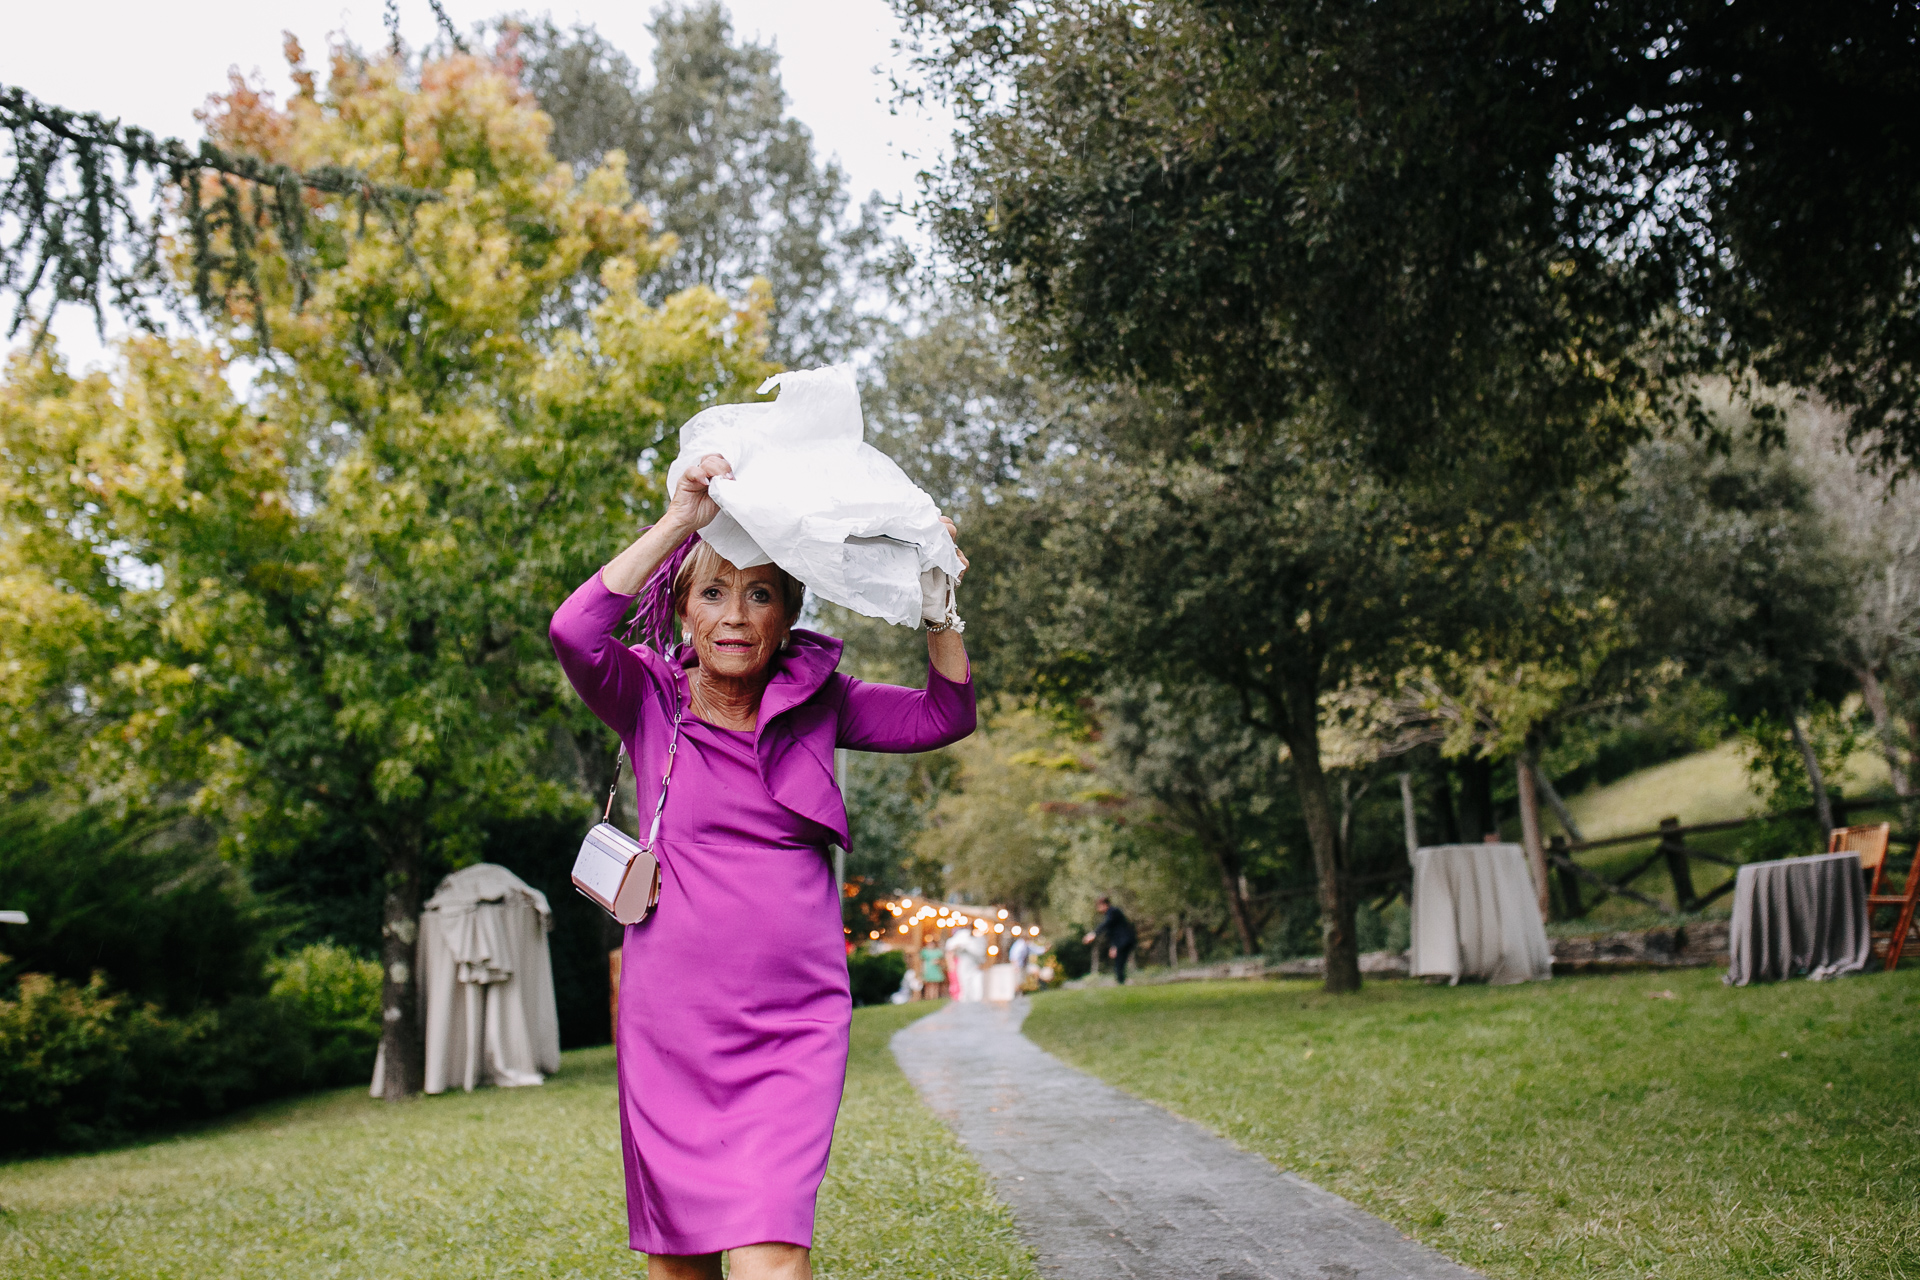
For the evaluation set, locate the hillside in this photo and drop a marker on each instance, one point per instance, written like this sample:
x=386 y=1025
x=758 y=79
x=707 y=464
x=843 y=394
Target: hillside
x=1708 y=786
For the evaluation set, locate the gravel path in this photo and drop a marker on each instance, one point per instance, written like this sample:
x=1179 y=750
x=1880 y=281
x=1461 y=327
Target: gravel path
x=1103 y=1185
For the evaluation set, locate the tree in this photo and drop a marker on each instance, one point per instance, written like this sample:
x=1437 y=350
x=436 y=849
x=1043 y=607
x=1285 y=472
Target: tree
x=1209 y=777
x=1878 y=535
x=889 y=801
x=326 y=606
x=729 y=174
x=1473 y=229
x=1273 y=575
x=999 y=835
x=1715 y=568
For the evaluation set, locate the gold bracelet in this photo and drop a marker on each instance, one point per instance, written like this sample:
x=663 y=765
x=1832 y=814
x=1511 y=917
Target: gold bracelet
x=951 y=622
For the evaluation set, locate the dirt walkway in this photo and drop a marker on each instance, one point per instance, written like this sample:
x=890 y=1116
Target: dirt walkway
x=1103 y=1185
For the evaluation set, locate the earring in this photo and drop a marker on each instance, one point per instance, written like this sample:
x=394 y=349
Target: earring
x=786 y=642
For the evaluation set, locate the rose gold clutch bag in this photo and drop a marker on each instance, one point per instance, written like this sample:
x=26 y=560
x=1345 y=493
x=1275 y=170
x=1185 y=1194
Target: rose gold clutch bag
x=613 y=869
x=617 y=872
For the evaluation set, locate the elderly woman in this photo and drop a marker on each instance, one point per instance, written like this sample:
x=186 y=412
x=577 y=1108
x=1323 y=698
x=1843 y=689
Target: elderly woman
x=732 y=1056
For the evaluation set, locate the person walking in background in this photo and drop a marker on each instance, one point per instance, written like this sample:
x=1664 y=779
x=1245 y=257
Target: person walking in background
x=1017 y=956
x=1117 y=934
x=933 y=973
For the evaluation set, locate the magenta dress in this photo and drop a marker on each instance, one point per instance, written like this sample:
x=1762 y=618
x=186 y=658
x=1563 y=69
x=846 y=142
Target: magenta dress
x=734 y=1009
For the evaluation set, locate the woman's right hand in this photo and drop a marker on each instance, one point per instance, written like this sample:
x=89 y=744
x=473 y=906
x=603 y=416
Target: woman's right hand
x=692 y=507
x=691 y=510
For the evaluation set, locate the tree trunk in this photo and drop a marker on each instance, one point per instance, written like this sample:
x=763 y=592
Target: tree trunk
x=1530 y=831
x=1406 y=815
x=1476 y=799
x=1876 y=698
x=403 y=1047
x=1339 y=939
x=1234 y=885
x=1822 y=807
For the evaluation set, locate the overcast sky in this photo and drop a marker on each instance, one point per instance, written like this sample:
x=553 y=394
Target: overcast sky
x=153 y=64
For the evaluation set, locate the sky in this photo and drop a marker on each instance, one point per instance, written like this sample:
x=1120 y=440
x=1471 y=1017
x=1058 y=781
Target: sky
x=153 y=64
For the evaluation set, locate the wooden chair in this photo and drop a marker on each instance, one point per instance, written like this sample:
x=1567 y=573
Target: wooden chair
x=1904 y=902
x=1870 y=842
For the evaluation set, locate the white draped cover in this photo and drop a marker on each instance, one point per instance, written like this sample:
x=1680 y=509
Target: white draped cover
x=486 y=983
x=1475 y=915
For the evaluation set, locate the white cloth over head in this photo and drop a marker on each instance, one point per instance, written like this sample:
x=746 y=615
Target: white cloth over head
x=1475 y=915
x=486 y=982
x=809 y=494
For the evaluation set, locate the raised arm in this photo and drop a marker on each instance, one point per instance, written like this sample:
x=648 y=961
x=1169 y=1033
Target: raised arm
x=946 y=651
x=609 y=677
x=889 y=717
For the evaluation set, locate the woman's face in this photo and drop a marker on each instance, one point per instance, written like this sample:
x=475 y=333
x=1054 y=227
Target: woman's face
x=736 y=620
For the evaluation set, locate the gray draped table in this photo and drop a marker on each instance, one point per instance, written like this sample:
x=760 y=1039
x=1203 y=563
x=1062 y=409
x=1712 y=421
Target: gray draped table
x=1798 y=915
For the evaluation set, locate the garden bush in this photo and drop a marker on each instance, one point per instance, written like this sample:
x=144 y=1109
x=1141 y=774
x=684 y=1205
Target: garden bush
x=83 y=1065
x=1071 y=956
x=146 y=901
x=875 y=976
x=141 y=992
x=333 y=995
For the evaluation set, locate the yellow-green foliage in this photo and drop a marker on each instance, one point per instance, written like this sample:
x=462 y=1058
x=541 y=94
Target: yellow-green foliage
x=326 y=603
x=1004 y=832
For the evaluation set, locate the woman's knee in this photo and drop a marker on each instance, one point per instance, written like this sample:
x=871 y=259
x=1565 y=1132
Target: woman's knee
x=770 y=1262
x=672 y=1266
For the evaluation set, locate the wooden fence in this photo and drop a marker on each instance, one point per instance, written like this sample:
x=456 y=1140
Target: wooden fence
x=1673 y=850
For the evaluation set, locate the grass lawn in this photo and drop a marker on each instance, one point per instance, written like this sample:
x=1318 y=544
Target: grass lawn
x=522 y=1182
x=1580 y=1127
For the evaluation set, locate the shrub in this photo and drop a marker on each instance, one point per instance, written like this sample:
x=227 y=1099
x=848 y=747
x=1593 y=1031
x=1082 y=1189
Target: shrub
x=144 y=900
x=81 y=1065
x=1071 y=956
x=333 y=995
x=875 y=976
x=139 y=994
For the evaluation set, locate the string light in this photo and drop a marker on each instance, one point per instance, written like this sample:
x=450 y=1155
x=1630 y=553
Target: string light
x=903 y=928
x=1003 y=914
x=999 y=928
x=1016 y=931
x=874 y=934
x=993 y=951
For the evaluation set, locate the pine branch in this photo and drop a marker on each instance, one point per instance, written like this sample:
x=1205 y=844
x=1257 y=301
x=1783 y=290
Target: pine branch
x=446 y=25
x=73 y=229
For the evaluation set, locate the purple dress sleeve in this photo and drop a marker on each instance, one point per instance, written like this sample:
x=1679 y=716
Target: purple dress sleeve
x=887 y=717
x=610 y=678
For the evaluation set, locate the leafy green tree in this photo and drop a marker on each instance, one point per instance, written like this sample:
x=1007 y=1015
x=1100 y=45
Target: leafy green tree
x=1877 y=529
x=1209 y=780
x=999 y=835
x=325 y=607
x=1274 y=576
x=889 y=799
x=1469 y=230
x=734 y=178
x=1713 y=570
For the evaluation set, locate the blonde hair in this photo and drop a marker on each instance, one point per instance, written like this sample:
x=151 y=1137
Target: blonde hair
x=703 y=562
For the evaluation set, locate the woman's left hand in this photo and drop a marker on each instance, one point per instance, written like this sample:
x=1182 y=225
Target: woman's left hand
x=944 y=648
x=953 y=531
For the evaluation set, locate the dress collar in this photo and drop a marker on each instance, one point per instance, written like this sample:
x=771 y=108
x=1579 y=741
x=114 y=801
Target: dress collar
x=798 y=672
